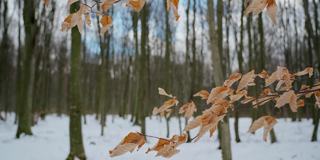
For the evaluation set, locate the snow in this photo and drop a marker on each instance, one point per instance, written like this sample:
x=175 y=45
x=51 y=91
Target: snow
x=51 y=141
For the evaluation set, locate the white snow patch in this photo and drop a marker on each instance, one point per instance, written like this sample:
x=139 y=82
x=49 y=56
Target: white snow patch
x=51 y=141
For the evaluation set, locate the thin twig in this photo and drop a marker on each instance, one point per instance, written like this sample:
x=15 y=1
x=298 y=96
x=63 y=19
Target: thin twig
x=155 y=137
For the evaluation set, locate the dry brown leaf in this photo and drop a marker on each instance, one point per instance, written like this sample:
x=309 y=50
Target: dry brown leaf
x=106 y=5
x=267 y=122
x=263 y=74
x=179 y=139
x=300 y=103
x=46 y=2
x=72 y=1
x=281 y=73
x=168 y=151
x=174 y=4
x=193 y=124
x=285 y=81
x=122 y=149
x=136 y=5
x=164 y=93
x=257 y=6
x=208 y=121
x=204 y=94
x=247 y=99
x=84 y=9
x=88 y=19
x=166 y=105
x=67 y=23
x=266 y=92
x=308 y=70
x=168 y=147
x=220 y=107
x=188 y=109
x=106 y=22
x=217 y=93
x=128 y=144
x=182 y=139
x=290 y=98
x=272 y=10
x=72 y=20
x=232 y=79
x=160 y=144
x=246 y=80
x=238 y=96
x=212 y=130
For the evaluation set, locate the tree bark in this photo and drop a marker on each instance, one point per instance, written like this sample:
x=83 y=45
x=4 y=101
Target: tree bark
x=75 y=128
x=218 y=80
x=25 y=86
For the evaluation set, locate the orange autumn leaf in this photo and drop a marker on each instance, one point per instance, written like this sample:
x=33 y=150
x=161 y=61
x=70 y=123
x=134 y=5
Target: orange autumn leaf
x=232 y=79
x=106 y=5
x=218 y=92
x=188 y=109
x=285 y=83
x=238 y=96
x=168 y=151
x=179 y=139
x=67 y=23
x=277 y=75
x=72 y=20
x=246 y=80
x=220 y=107
x=267 y=122
x=204 y=94
x=263 y=74
x=174 y=5
x=88 y=19
x=132 y=141
x=257 y=6
x=46 y=2
x=106 y=22
x=306 y=71
x=208 y=121
x=136 y=5
x=266 y=92
x=160 y=144
x=290 y=98
x=168 y=147
x=300 y=103
x=166 y=106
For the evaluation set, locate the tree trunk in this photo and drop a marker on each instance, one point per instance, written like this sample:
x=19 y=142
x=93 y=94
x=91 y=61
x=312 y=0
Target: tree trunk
x=25 y=86
x=262 y=63
x=75 y=129
x=314 y=137
x=143 y=68
x=218 y=80
x=240 y=61
x=168 y=66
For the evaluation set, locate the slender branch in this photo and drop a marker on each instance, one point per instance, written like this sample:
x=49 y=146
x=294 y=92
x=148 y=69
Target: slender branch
x=155 y=137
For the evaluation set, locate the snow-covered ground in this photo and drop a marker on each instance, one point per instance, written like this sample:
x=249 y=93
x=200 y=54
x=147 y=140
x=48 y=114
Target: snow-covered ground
x=50 y=141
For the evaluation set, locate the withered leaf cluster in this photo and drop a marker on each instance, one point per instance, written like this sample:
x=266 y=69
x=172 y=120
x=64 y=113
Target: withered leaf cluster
x=135 y=140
